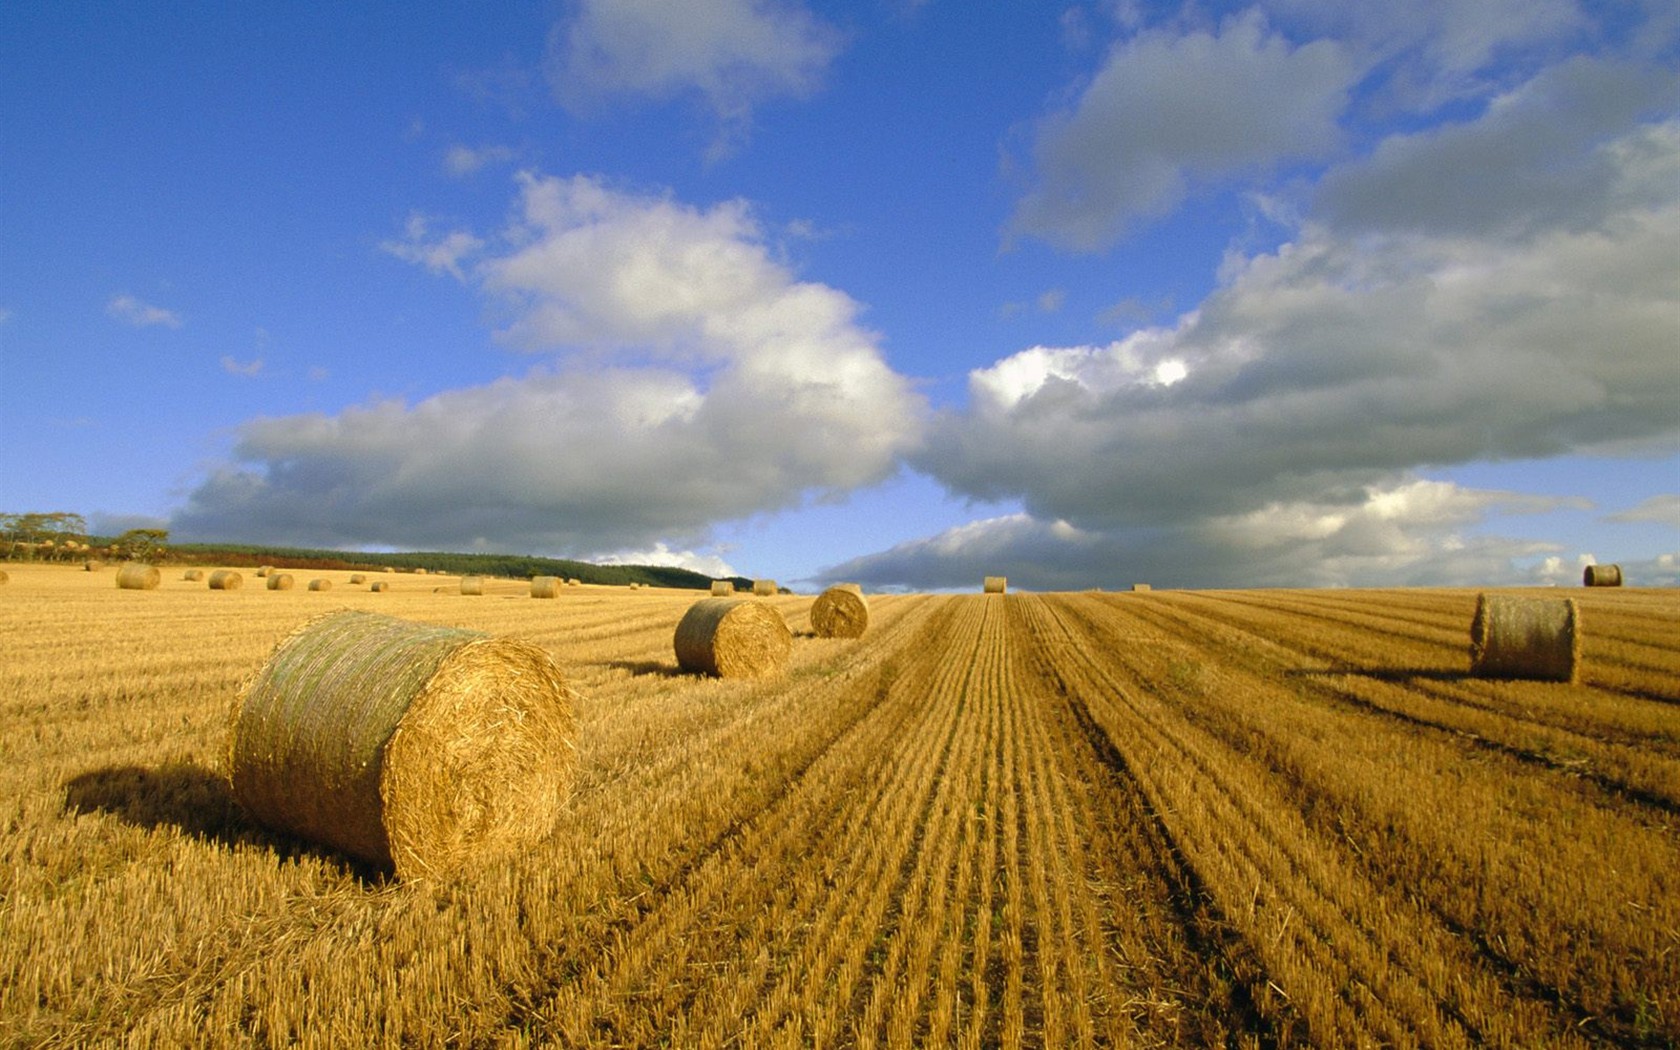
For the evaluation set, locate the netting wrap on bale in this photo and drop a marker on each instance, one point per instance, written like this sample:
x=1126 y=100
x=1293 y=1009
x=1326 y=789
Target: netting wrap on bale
x=1513 y=637
x=840 y=611
x=138 y=576
x=414 y=747
x=226 y=580
x=1602 y=576
x=732 y=638
x=995 y=585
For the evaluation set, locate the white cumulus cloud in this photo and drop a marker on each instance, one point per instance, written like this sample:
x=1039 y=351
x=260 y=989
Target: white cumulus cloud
x=128 y=309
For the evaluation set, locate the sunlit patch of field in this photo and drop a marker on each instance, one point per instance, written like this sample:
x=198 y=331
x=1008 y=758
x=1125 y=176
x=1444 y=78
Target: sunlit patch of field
x=1191 y=819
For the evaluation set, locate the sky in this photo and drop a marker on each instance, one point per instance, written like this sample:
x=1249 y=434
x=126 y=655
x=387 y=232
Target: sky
x=905 y=292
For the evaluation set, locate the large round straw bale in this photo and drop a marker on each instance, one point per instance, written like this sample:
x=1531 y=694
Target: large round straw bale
x=841 y=611
x=996 y=584
x=1512 y=637
x=379 y=585
x=280 y=581
x=414 y=747
x=193 y=575
x=763 y=588
x=357 y=578
x=733 y=638
x=226 y=580
x=1602 y=576
x=545 y=586
x=138 y=576
x=320 y=585
x=722 y=588
x=472 y=585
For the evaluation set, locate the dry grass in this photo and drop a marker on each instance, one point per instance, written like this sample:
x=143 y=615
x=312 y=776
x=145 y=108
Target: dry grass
x=1236 y=819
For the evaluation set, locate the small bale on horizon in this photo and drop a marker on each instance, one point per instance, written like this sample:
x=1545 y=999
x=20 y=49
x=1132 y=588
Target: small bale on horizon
x=996 y=585
x=417 y=748
x=92 y=565
x=765 y=588
x=265 y=570
x=722 y=588
x=357 y=578
x=226 y=580
x=138 y=576
x=1141 y=588
x=545 y=586
x=193 y=575
x=379 y=585
x=841 y=611
x=732 y=638
x=320 y=585
x=280 y=581
x=1529 y=638
x=1601 y=576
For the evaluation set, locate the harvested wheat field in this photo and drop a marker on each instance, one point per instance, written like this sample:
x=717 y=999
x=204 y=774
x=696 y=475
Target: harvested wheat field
x=1269 y=819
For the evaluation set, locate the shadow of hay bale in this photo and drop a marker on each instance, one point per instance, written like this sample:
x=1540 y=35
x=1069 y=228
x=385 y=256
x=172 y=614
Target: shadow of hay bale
x=648 y=667
x=196 y=800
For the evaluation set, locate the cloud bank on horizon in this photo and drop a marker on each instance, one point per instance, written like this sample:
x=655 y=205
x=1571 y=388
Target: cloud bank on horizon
x=1463 y=248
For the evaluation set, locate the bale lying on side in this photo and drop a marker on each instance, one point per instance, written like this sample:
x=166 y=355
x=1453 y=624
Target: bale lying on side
x=840 y=611
x=320 y=585
x=765 y=588
x=92 y=565
x=1602 y=576
x=193 y=575
x=264 y=570
x=379 y=585
x=545 y=586
x=1513 y=637
x=732 y=638
x=138 y=576
x=414 y=747
x=472 y=585
x=1140 y=588
x=226 y=580
x=357 y=578
x=996 y=585
x=722 y=588
x=280 y=581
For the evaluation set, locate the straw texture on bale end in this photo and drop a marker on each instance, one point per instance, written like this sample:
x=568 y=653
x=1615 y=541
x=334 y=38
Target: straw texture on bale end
x=732 y=638
x=193 y=575
x=996 y=585
x=414 y=747
x=841 y=611
x=472 y=585
x=765 y=588
x=1537 y=638
x=138 y=576
x=545 y=586
x=722 y=588
x=280 y=581
x=1601 y=576
x=226 y=580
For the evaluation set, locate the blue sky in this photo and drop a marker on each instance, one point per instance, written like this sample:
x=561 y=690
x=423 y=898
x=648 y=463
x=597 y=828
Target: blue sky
x=1286 y=293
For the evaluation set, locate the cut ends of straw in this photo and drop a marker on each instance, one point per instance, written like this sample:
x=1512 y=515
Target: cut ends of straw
x=841 y=611
x=1526 y=638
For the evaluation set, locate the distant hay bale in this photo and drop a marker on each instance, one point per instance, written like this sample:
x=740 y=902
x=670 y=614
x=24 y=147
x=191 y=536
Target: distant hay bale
x=732 y=638
x=722 y=588
x=357 y=578
x=226 y=580
x=1141 y=588
x=92 y=565
x=414 y=747
x=840 y=611
x=574 y=583
x=419 y=572
x=379 y=585
x=996 y=584
x=320 y=585
x=280 y=581
x=1513 y=637
x=472 y=585
x=138 y=576
x=4 y=578
x=545 y=586
x=1602 y=576
x=763 y=588
x=264 y=570
x=193 y=575
x=386 y=568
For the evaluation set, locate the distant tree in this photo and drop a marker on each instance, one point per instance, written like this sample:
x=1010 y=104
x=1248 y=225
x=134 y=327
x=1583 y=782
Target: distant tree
x=41 y=535
x=141 y=544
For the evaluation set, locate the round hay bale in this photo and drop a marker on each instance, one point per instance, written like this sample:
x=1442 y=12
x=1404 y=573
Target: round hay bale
x=414 y=747
x=379 y=585
x=4 y=577
x=1141 y=588
x=357 y=579
x=840 y=611
x=1602 y=576
x=193 y=575
x=264 y=570
x=280 y=581
x=472 y=585
x=92 y=565
x=732 y=638
x=996 y=585
x=764 y=588
x=320 y=585
x=1513 y=637
x=387 y=568
x=545 y=586
x=722 y=588
x=138 y=576
x=574 y=583
x=226 y=580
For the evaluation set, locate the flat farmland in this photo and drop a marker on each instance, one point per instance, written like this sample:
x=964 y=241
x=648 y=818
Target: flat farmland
x=1261 y=818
